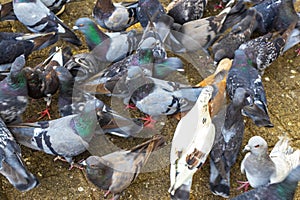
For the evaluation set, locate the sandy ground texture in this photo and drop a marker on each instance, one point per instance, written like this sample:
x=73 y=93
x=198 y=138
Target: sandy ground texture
x=282 y=85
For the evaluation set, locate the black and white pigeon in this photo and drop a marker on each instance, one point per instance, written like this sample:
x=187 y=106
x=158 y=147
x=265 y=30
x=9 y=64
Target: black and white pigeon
x=243 y=74
x=186 y=10
x=265 y=49
x=284 y=190
x=38 y=18
x=11 y=162
x=13 y=93
x=228 y=141
x=13 y=45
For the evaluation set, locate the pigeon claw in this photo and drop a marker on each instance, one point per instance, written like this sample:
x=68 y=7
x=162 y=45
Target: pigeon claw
x=131 y=106
x=219 y=6
x=244 y=184
x=298 y=51
x=44 y=113
x=149 y=122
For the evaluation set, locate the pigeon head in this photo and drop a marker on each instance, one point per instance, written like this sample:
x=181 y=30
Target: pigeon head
x=257 y=146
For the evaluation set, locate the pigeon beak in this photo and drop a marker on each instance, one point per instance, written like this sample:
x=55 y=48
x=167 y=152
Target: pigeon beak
x=247 y=148
x=75 y=28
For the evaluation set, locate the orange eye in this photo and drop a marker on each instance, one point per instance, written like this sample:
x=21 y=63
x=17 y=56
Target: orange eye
x=256 y=146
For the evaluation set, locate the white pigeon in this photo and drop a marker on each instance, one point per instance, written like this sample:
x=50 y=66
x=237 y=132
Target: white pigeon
x=192 y=141
x=262 y=168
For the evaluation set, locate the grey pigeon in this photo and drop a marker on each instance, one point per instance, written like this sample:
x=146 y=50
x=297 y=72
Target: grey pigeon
x=109 y=48
x=262 y=168
x=11 y=163
x=38 y=18
x=202 y=31
x=115 y=16
x=243 y=74
x=229 y=137
x=284 y=190
x=13 y=93
x=47 y=136
x=148 y=9
x=157 y=97
x=114 y=172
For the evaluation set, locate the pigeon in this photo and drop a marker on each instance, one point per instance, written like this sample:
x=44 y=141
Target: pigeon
x=262 y=168
x=218 y=81
x=71 y=101
x=243 y=74
x=228 y=141
x=277 y=15
x=13 y=93
x=115 y=16
x=274 y=15
x=186 y=10
x=114 y=172
x=265 y=49
x=93 y=35
x=158 y=97
x=150 y=55
x=42 y=80
x=15 y=44
x=11 y=162
x=284 y=190
x=240 y=33
x=149 y=10
x=78 y=131
x=202 y=31
x=38 y=18
x=56 y=6
x=191 y=143
x=106 y=48
x=84 y=65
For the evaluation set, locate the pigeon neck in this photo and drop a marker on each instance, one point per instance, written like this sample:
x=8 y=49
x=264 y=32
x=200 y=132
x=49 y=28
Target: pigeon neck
x=17 y=80
x=85 y=124
x=95 y=36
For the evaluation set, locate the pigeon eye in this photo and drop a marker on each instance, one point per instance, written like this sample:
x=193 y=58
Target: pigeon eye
x=256 y=146
x=81 y=25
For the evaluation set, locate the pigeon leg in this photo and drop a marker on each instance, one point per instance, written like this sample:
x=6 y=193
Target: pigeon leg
x=131 y=106
x=219 y=6
x=149 y=122
x=46 y=111
x=244 y=184
x=106 y=193
x=298 y=51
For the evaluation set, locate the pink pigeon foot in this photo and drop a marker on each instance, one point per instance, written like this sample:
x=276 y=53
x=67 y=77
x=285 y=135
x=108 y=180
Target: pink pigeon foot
x=149 y=122
x=44 y=113
x=244 y=184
